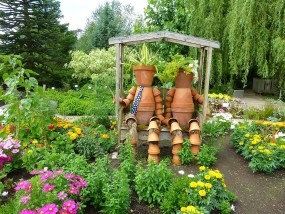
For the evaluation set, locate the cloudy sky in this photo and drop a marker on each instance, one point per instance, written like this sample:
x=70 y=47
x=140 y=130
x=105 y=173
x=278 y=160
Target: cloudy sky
x=76 y=12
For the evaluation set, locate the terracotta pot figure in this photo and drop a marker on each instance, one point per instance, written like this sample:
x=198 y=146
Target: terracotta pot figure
x=146 y=101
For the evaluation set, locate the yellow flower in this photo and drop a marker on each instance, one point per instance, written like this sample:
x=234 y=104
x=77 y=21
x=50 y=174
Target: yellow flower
x=253 y=151
x=193 y=184
x=241 y=143
x=183 y=209
x=202 y=193
x=247 y=135
x=202 y=168
x=224 y=185
x=30 y=151
x=282 y=147
x=35 y=141
x=250 y=147
x=267 y=151
x=208 y=185
x=69 y=133
x=191 y=209
x=73 y=136
x=212 y=173
x=25 y=144
x=200 y=184
x=114 y=122
x=219 y=175
x=207 y=177
x=105 y=136
x=78 y=130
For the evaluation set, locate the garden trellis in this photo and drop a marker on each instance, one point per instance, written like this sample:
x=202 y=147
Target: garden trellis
x=205 y=46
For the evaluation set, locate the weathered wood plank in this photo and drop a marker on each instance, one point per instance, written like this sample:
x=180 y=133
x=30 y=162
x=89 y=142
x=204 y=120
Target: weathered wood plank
x=167 y=36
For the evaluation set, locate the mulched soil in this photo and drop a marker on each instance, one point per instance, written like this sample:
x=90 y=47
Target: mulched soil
x=257 y=192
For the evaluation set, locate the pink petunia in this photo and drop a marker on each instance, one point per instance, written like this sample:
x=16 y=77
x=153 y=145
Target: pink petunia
x=47 y=188
x=28 y=187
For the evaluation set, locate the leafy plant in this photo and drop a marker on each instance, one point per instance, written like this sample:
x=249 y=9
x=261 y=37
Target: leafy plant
x=185 y=154
x=152 y=183
x=207 y=155
x=171 y=68
x=176 y=196
x=117 y=193
x=142 y=57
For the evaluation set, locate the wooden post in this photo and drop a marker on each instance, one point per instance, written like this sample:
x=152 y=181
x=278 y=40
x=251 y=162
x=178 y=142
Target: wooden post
x=206 y=84
x=119 y=85
x=200 y=74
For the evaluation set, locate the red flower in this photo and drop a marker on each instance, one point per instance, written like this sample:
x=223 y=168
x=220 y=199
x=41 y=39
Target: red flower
x=51 y=127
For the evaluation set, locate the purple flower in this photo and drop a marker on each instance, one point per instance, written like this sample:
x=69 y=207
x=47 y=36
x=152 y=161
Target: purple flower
x=69 y=206
x=21 y=185
x=14 y=151
x=61 y=195
x=46 y=175
x=25 y=199
x=28 y=212
x=47 y=188
x=50 y=209
x=34 y=172
x=73 y=190
x=9 y=158
x=69 y=176
x=28 y=187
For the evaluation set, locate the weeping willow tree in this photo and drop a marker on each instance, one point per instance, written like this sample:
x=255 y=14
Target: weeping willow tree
x=254 y=36
x=251 y=32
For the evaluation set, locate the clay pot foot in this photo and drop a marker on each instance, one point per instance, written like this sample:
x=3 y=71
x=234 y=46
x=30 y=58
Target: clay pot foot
x=176 y=160
x=195 y=149
x=154 y=158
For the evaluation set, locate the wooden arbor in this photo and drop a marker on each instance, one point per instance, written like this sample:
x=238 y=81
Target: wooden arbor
x=203 y=44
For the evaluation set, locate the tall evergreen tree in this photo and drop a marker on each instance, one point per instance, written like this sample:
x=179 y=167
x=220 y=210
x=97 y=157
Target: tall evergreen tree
x=108 y=20
x=31 y=28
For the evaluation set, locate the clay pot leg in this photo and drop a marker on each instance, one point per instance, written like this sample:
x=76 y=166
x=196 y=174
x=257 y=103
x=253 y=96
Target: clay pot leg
x=175 y=150
x=153 y=151
x=132 y=126
x=194 y=136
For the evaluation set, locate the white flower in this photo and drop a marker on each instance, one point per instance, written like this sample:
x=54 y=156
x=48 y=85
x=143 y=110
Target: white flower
x=233 y=208
x=181 y=172
x=279 y=134
x=191 y=65
x=191 y=176
x=5 y=193
x=114 y=155
x=45 y=169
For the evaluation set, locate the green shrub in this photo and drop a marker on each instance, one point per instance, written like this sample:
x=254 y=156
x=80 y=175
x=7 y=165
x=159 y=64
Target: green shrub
x=73 y=106
x=153 y=182
x=207 y=155
x=176 y=196
x=185 y=154
x=117 y=194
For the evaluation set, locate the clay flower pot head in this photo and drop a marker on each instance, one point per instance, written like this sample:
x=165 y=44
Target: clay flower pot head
x=153 y=125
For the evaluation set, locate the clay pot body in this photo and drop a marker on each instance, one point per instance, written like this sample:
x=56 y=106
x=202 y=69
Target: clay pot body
x=146 y=106
x=182 y=105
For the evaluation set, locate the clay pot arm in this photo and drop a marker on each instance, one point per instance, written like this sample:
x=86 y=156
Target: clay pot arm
x=158 y=104
x=169 y=99
x=199 y=98
x=130 y=97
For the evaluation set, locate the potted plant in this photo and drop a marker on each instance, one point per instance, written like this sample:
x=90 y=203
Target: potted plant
x=178 y=63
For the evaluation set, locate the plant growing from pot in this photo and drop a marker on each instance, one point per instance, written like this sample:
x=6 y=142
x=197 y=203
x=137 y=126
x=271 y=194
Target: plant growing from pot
x=171 y=69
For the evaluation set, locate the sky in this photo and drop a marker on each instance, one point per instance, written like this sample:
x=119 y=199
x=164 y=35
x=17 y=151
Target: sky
x=76 y=12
